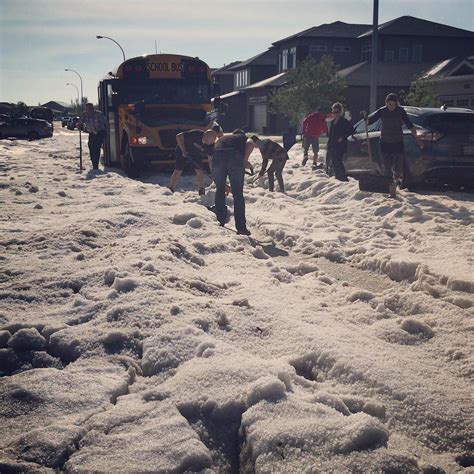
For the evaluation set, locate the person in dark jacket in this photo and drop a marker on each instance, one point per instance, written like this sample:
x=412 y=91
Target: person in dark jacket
x=230 y=158
x=95 y=124
x=271 y=150
x=393 y=118
x=339 y=130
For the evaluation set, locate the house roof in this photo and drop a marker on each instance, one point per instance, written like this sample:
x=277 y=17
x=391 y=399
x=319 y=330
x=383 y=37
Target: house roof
x=225 y=69
x=453 y=67
x=55 y=104
x=388 y=74
x=231 y=94
x=412 y=26
x=338 y=29
x=274 y=81
x=267 y=58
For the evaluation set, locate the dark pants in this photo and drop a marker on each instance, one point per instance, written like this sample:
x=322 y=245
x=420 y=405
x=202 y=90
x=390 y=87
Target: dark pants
x=335 y=155
x=229 y=163
x=95 y=142
x=276 y=169
x=312 y=142
x=393 y=164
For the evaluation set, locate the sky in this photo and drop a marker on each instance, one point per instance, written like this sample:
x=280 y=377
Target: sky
x=41 y=38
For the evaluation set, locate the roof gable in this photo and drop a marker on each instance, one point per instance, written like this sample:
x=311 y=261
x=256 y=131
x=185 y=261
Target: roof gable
x=451 y=68
x=412 y=26
x=267 y=58
x=337 y=29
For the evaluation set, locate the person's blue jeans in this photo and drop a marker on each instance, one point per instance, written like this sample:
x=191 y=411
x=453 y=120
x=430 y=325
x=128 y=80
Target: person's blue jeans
x=229 y=163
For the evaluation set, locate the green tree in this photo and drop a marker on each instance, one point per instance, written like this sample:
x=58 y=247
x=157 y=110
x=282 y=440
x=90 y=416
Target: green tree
x=310 y=85
x=422 y=93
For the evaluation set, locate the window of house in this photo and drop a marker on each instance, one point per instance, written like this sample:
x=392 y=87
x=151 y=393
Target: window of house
x=366 y=53
x=467 y=86
x=318 y=48
x=417 y=53
x=292 y=58
x=403 y=55
x=389 y=55
x=241 y=78
x=462 y=102
x=448 y=103
x=284 y=60
x=342 y=49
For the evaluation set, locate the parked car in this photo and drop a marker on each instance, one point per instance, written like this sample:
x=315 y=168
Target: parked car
x=64 y=121
x=72 y=123
x=446 y=158
x=26 y=128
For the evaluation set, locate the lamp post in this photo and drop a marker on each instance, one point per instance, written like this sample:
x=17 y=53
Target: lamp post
x=111 y=39
x=373 y=66
x=82 y=116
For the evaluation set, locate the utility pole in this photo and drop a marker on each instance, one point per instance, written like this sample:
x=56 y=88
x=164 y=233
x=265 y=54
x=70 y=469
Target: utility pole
x=373 y=66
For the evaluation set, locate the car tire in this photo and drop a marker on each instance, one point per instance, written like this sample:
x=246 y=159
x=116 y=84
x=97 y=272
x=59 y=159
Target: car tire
x=33 y=135
x=128 y=165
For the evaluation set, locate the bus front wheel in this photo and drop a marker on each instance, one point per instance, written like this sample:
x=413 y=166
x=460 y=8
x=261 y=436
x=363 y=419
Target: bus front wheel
x=128 y=164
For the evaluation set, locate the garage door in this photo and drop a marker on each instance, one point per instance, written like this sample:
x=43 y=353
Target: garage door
x=259 y=118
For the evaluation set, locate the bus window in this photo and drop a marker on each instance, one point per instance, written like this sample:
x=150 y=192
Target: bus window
x=109 y=95
x=167 y=91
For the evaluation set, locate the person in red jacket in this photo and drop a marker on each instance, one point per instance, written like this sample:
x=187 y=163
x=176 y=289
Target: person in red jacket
x=314 y=125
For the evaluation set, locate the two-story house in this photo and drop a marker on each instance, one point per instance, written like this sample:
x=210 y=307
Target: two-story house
x=407 y=48
x=236 y=111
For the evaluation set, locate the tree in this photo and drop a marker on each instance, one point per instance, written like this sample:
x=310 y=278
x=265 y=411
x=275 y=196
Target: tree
x=22 y=108
x=309 y=86
x=422 y=93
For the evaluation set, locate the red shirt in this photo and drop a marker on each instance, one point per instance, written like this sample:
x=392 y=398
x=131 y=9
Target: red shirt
x=314 y=125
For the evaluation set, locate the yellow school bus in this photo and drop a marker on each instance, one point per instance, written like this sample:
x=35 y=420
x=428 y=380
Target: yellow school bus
x=149 y=99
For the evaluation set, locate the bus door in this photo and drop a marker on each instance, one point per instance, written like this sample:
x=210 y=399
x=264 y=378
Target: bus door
x=107 y=97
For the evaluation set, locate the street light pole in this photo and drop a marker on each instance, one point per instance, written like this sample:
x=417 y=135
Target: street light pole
x=82 y=116
x=111 y=39
x=373 y=75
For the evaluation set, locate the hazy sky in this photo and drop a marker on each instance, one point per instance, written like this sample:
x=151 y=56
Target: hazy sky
x=40 y=38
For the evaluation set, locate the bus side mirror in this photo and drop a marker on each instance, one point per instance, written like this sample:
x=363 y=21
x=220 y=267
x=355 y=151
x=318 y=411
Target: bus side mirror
x=216 y=89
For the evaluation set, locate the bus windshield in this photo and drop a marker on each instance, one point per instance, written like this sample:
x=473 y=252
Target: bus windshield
x=165 y=91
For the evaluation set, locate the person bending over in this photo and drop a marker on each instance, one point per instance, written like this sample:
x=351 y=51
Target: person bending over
x=271 y=150
x=192 y=146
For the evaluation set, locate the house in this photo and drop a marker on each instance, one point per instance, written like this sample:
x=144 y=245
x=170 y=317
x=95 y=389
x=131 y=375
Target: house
x=59 y=108
x=407 y=48
x=338 y=39
x=453 y=81
x=236 y=112
x=225 y=77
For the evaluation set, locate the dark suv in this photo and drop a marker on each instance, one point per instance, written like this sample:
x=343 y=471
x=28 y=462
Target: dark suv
x=446 y=158
x=25 y=128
